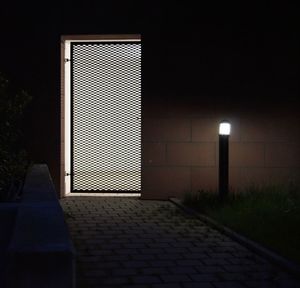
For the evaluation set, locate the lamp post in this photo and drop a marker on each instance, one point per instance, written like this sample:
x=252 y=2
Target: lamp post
x=224 y=132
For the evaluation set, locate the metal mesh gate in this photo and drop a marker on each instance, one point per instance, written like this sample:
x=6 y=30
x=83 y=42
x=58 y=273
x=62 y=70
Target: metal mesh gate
x=106 y=116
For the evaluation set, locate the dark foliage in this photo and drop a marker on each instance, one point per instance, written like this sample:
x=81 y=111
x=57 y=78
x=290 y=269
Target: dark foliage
x=13 y=157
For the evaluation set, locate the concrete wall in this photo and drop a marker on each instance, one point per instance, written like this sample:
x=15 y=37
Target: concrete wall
x=180 y=149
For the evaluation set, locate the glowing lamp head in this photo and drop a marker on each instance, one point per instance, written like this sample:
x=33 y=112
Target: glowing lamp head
x=224 y=128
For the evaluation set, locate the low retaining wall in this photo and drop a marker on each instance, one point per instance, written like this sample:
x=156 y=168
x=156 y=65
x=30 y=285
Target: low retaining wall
x=38 y=250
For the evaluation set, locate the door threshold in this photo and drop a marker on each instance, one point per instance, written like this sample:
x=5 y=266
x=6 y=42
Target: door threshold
x=103 y=194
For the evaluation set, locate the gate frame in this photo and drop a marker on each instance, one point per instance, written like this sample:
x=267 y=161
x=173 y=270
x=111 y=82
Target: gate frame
x=114 y=37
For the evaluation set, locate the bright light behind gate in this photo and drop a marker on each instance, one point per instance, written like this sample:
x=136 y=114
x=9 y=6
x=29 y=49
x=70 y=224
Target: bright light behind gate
x=106 y=116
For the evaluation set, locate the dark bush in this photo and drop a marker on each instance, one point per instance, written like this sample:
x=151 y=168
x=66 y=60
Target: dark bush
x=13 y=157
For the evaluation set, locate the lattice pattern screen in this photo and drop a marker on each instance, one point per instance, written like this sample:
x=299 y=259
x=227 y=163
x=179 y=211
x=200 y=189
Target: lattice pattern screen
x=106 y=116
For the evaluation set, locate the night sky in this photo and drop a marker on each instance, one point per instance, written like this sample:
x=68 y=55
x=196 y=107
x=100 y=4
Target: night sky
x=241 y=53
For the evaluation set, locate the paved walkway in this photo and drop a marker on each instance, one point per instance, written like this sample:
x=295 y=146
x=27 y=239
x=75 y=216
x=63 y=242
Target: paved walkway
x=125 y=242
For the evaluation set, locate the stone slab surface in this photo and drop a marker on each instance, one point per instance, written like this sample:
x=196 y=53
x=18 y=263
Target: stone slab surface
x=128 y=242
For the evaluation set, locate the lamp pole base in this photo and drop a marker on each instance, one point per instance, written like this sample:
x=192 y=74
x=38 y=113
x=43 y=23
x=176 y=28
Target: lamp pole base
x=223 y=165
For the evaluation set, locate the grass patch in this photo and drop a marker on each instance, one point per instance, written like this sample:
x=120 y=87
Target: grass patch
x=269 y=215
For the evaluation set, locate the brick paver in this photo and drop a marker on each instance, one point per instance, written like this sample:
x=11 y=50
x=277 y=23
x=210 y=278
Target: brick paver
x=128 y=242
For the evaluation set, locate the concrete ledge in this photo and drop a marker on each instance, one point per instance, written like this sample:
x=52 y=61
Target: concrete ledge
x=8 y=213
x=40 y=228
x=38 y=185
x=286 y=264
x=40 y=252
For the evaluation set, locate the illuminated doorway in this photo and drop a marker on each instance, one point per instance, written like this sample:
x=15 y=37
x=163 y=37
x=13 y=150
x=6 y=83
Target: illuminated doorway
x=102 y=115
